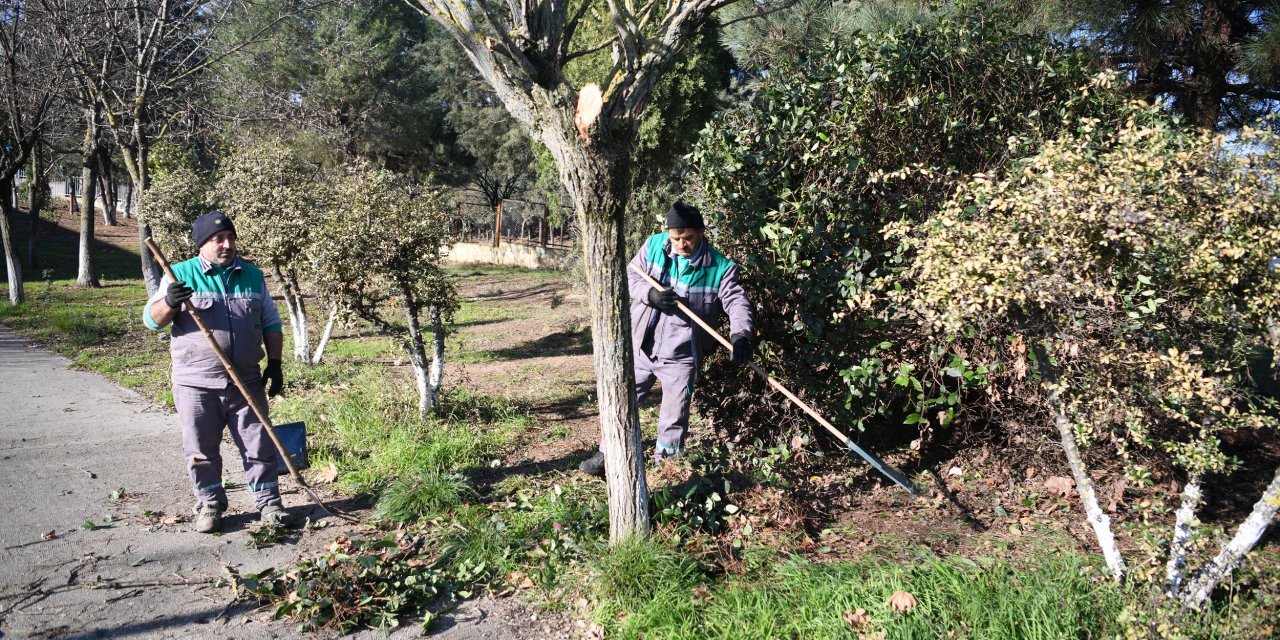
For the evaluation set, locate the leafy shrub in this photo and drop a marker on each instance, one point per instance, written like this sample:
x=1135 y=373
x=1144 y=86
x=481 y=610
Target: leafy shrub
x=171 y=203
x=698 y=504
x=275 y=197
x=1124 y=279
x=877 y=129
x=422 y=494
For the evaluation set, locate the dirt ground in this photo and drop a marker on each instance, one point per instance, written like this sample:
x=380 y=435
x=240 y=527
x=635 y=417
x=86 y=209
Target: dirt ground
x=527 y=339
x=97 y=538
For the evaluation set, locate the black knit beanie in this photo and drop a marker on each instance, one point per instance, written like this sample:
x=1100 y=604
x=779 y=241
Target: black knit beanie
x=208 y=224
x=684 y=216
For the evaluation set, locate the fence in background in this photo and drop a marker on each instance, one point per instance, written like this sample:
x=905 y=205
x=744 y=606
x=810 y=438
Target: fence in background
x=511 y=221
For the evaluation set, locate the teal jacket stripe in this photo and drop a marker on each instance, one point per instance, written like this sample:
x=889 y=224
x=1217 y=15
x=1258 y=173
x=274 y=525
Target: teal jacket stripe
x=707 y=282
x=238 y=311
x=246 y=282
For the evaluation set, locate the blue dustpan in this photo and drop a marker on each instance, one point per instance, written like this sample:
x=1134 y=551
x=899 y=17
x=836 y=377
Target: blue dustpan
x=293 y=435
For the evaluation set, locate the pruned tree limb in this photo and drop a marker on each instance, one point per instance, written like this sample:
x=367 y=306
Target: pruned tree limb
x=1098 y=519
x=1182 y=527
x=1213 y=572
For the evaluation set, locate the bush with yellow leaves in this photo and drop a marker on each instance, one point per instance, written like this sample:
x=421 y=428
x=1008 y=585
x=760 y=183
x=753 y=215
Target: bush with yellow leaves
x=1131 y=272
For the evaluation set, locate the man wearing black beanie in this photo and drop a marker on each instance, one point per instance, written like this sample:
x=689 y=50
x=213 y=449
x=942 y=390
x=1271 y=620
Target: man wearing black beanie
x=233 y=300
x=668 y=346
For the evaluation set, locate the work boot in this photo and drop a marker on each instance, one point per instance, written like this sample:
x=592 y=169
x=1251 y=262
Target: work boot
x=209 y=518
x=274 y=513
x=593 y=466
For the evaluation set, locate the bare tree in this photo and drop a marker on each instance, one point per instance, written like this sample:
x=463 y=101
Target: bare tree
x=157 y=48
x=520 y=49
x=25 y=90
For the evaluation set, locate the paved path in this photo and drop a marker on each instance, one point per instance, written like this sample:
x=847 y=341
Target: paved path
x=68 y=439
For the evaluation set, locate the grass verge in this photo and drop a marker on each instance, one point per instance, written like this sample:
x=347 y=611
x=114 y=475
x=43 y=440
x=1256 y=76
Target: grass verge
x=100 y=330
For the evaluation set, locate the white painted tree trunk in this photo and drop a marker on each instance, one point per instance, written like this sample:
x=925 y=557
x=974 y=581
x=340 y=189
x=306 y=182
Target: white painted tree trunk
x=1098 y=519
x=13 y=266
x=428 y=394
x=1209 y=576
x=324 y=337
x=297 y=312
x=1183 y=524
x=426 y=399
x=436 y=375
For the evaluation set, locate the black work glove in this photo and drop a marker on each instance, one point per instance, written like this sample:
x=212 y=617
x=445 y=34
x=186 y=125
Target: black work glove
x=177 y=293
x=664 y=299
x=741 y=349
x=273 y=378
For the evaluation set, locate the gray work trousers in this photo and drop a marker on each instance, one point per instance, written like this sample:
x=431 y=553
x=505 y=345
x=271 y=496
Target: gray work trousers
x=203 y=413
x=677 y=377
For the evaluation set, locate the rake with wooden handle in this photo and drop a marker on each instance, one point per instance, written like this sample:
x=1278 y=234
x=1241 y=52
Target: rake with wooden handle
x=249 y=397
x=879 y=465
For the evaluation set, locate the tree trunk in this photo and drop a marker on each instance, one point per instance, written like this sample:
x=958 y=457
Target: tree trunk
x=435 y=377
x=417 y=350
x=324 y=337
x=140 y=179
x=13 y=266
x=598 y=185
x=88 y=274
x=39 y=200
x=1221 y=566
x=1084 y=486
x=107 y=186
x=1212 y=55
x=292 y=294
x=128 y=199
x=1182 y=526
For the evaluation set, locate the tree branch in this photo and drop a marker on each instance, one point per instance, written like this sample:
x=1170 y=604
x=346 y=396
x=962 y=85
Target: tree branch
x=590 y=50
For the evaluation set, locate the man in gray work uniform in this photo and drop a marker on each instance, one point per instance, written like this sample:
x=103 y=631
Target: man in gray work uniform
x=231 y=297
x=668 y=347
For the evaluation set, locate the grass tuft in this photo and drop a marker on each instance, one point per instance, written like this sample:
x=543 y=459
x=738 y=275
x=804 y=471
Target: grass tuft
x=640 y=570
x=423 y=494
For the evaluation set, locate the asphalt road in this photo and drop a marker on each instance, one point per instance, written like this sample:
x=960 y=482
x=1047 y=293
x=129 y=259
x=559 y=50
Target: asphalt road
x=70 y=439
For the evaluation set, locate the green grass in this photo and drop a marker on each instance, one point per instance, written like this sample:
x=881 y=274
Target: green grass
x=639 y=571
x=371 y=431
x=99 y=329
x=422 y=494
x=1051 y=596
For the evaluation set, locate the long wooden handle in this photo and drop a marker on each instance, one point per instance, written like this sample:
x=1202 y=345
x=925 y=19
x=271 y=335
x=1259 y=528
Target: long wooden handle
x=880 y=465
x=235 y=377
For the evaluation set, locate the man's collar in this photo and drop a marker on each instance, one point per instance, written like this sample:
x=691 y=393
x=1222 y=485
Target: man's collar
x=207 y=266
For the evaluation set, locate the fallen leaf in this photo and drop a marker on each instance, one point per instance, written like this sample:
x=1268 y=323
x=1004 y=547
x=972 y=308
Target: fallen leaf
x=595 y=631
x=1031 y=472
x=1060 y=485
x=328 y=475
x=1117 y=494
x=49 y=535
x=902 y=602
x=857 y=619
